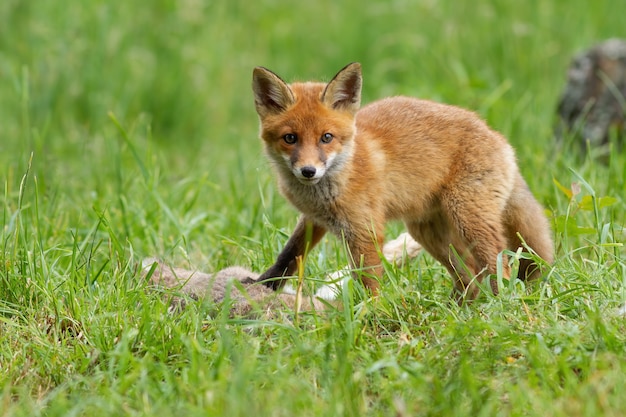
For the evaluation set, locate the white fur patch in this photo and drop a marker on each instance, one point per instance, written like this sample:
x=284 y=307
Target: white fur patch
x=328 y=292
x=395 y=249
x=146 y=263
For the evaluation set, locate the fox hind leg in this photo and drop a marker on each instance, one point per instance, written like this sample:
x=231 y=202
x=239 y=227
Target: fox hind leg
x=478 y=226
x=466 y=237
x=439 y=240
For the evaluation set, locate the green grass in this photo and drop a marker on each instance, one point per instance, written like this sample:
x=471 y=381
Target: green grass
x=128 y=130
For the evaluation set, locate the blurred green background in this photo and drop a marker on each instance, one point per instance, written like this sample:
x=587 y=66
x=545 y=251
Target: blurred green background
x=184 y=67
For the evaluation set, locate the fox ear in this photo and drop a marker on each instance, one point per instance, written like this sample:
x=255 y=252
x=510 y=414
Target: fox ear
x=344 y=91
x=271 y=94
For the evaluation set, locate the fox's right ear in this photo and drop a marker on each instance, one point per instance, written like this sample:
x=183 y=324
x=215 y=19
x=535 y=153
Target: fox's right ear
x=271 y=94
x=343 y=92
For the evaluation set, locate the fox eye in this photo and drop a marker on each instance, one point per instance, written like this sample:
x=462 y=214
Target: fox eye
x=290 y=138
x=327 y=137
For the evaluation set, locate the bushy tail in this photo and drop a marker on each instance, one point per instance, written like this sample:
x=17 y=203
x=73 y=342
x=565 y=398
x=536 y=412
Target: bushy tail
x=524 y=215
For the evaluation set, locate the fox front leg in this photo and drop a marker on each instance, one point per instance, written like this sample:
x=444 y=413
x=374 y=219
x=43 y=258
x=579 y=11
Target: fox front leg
x=306 y=235
x=365 y=259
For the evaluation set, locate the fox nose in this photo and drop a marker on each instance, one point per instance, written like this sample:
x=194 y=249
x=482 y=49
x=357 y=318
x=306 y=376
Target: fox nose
x=308 y=171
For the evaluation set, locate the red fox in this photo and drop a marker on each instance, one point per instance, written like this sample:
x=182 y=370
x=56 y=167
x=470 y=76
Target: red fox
x=440 y=169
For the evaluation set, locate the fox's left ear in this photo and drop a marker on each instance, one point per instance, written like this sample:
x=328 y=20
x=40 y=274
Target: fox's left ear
x=344 y=91
x=271 y=94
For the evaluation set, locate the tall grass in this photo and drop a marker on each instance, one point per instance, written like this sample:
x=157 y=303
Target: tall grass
x=128 y=130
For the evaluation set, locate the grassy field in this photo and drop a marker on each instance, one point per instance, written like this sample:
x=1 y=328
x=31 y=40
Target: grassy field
x=128 y=130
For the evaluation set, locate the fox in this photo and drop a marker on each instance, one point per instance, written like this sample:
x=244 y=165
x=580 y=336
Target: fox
x=440 y=169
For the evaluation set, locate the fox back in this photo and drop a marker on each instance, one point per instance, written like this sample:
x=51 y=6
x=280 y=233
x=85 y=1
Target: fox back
x=440 y=169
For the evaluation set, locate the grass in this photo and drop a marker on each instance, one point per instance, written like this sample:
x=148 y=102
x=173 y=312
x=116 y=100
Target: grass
x=129 y=131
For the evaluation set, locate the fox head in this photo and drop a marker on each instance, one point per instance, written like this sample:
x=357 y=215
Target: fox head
x=308 y=128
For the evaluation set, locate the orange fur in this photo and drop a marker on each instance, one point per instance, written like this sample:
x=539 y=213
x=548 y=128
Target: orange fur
x=439 y=168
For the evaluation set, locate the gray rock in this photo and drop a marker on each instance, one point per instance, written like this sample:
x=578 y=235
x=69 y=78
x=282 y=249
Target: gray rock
x=594 y=100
